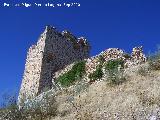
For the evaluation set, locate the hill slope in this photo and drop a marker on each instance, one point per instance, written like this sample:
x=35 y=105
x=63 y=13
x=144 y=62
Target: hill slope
x=135 y=99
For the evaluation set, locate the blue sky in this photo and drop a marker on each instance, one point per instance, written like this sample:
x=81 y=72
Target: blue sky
x=105 y=23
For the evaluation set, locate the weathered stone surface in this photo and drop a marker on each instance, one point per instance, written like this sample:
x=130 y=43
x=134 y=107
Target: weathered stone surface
x=55 y=54
x=137 y=57
x=52 y=52
x=113 y=53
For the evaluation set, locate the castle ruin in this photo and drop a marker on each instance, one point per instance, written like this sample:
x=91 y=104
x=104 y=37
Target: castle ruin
x=53 y=51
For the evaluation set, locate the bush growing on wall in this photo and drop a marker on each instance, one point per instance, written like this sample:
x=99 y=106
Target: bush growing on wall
x=97 y=74
x=77 y=71
x=101 y=59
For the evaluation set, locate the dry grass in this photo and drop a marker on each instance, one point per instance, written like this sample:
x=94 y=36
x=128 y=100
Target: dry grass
x=136 y=99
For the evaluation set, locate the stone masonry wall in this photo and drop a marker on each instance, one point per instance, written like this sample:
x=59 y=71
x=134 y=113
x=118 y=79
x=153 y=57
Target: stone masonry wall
x=30 y=82
x=135 y=58
x=55 y=54
x=53 y=51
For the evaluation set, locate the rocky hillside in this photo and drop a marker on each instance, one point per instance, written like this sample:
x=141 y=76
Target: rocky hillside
x=137 y=98
x=112 y=85
x=113 y=92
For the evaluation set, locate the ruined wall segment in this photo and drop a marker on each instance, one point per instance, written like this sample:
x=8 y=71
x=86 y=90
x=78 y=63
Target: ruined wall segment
x=30 y=82
x=53 y=51
x=137 y=57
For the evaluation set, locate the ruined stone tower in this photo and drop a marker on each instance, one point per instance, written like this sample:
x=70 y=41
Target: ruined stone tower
x=53 y=51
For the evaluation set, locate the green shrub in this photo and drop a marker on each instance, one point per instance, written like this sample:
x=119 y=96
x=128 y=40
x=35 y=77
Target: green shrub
x=114 y=64
x=101 y=59
x=97 y=74
x=77 y=71
x=127 y=56
x=116 y=77
x=114 y=74
x=79 y=68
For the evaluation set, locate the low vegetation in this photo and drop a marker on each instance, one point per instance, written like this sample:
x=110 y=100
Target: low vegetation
x=143 y=71
x=77 y=71
x=101 y=59
x=114 y=71
x=96 y=101
x=112 y=65
x=97 y=74
x=35 y=111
